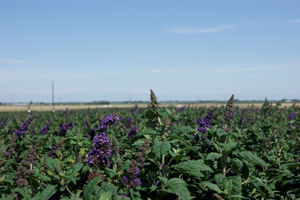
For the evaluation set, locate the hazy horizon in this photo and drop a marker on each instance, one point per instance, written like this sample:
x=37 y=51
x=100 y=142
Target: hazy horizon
x=118 y=50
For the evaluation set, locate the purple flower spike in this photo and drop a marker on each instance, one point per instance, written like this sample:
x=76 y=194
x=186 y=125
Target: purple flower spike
x=133 y=131
x=136 y=182
x=291 y=116
x=108 y=122
x=205 y=123
x=124 y=180
x=101 y=151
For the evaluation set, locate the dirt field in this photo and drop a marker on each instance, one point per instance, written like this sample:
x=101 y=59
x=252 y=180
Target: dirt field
x=7 y=108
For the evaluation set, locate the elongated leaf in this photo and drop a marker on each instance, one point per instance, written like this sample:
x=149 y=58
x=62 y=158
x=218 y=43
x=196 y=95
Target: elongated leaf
x=236 y=185
x=177 y=186
x=252 y=158
x=52 y=164
x=48 y=192
x=213 y=156
x=221 y=181
x=90 y=188
x=193 y=167
x=212 y=186
x=229 y=146
x=106 y=196
x=76 y=168
x=160 y=148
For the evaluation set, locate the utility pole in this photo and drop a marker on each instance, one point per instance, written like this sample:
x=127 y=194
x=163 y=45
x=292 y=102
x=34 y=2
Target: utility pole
x=53 y=96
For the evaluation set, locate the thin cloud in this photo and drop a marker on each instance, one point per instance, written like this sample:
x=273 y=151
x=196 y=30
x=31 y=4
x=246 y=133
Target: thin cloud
x=294 y=21
x=170 y=70
x=14 y=61
x=201 y=30
x=221 y=70
x=249 y=69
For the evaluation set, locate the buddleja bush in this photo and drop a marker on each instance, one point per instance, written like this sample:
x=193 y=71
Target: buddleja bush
x=152 y=153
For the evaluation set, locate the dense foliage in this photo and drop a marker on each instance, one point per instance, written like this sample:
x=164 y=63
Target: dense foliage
x=151 y=153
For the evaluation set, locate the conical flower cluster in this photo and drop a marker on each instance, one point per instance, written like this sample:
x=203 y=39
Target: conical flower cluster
x=153 y=99
x=101 y=151
x=108 y=122
x=228 y=113
x=204 y=125
x=23 y=129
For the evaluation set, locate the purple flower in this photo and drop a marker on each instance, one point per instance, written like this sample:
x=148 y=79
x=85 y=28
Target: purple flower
x=291 y=116
x=202 y=129
x=124 y=180
x=133 y=110
x=108 y=122
x=123 y=196
x=198 y=120
x=129 y=122
x=182 y=109
x=23 y=128
x=225 y=128
x=204 y=125
x=136 y=182
x=64 y=128
x=44 y=130
x=135 y=171
x=10 y=151
x=156 y=183
x=179 y=121
x=133 y=131
x=101 y=151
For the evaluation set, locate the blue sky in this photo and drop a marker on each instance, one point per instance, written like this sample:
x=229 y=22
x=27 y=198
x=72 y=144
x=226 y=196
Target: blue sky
x=118 y=50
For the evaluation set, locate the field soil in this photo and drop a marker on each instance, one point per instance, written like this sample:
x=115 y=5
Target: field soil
x=8 y=108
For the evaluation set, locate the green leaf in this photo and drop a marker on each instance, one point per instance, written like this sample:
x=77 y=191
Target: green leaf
x=150 y=114
x=52 y=164
x=161 y=148
x=290 y=165
x=212 y=186
x=106 y=196
x=107 y=187
x=42 y=177
x=48 y=192
x=149 y=132
x=111 y=172
x=236 y=185
x=237 y=197
x=252 y=158
x=76 y=168
x=184 y=130
x=237 y=163
x=229 y=146
x=221 y=181
x=192 y=167
x=90 y=188
x=24 y=192
x=213 y=156
x=177 y=186
x=125 y=165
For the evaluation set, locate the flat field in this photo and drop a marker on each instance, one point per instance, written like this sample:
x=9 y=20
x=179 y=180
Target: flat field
x=196 y=151
x=8 y=108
